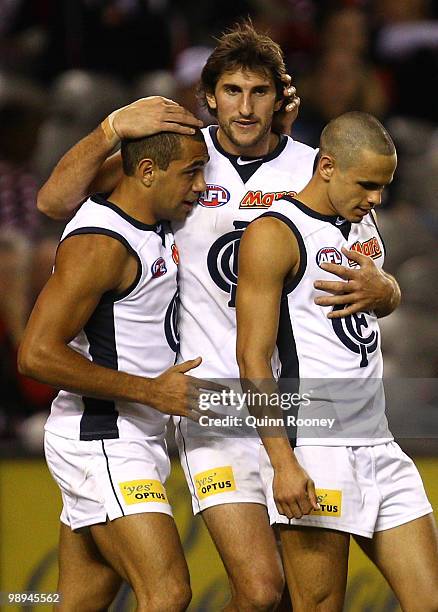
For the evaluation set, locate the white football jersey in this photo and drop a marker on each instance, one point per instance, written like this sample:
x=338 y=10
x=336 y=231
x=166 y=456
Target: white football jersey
x=239 y=189
x=338 y=361
x=133 y=332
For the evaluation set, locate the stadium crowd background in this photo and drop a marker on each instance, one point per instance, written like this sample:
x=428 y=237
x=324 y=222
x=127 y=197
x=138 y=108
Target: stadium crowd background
x=65 y=65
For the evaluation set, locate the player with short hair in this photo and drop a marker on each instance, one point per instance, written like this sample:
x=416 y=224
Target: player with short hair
x=250 y=167
x=103 y=331
x=365 y=484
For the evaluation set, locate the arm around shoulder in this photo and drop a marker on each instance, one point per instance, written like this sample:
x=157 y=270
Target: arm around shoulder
x=391 y=298
x=82 y=170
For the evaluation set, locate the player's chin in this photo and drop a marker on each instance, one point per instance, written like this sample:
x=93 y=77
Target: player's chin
x=357 y=215
x=183 y=211
x=247 y=139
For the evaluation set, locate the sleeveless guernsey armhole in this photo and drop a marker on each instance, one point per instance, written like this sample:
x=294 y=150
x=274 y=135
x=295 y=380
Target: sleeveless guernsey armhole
x=290 y=286
x=113 y=296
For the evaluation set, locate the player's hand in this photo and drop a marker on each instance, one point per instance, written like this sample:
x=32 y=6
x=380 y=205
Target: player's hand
x=361 y=289
x=294 y=491
x=151 y=115
x=285 y=117
x=176 y=393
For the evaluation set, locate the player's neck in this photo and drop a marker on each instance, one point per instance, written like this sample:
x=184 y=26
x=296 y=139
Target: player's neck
x=132 y=201
x=314 y=196
x=266 y=145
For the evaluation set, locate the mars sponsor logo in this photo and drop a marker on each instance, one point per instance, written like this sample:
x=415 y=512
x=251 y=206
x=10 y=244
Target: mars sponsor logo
x=217 y=480
x=328 y=255
x=330 y=501
x=214 y=196
x=175 y=253
x=140 y=491
x=258 y=199
x=158 y=268
x=371 y=248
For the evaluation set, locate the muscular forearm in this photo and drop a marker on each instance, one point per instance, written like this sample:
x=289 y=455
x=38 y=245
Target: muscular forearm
x=64 y=368
x=392 y=298
x=72 y=177
x=256 y=375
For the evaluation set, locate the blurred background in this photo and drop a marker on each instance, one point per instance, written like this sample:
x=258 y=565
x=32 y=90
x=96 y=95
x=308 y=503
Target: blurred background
x=64 y=65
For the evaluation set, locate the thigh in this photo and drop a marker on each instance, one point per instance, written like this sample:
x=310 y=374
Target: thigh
x=408 y=558
x=80 y=559
x=316 y=563
x=145 y=548
x=246 y=542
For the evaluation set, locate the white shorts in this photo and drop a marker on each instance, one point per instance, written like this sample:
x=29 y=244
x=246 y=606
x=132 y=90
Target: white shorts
x=361 y=490
x=102 y=479
x=220 y=470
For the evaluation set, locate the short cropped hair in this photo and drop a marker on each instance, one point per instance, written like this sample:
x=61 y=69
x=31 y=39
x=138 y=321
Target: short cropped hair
x=242 y=47
x=347 y=136
x=162 y=148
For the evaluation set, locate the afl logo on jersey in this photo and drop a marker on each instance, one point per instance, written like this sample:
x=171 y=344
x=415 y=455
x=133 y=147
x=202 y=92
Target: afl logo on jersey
x=354 y=332
x=175 y=254
x=222 y=260
x=214 y=196
x=158 y=268
x=328 y=255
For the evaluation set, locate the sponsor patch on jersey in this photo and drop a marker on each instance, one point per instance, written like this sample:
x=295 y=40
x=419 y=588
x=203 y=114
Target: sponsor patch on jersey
x=214 y=196
x=217 y=480
x=258 y=199
x=158 y=268
x=370 y=247
x=330 y=501
x=141 y=491
x=175 y=253
x=328 y=255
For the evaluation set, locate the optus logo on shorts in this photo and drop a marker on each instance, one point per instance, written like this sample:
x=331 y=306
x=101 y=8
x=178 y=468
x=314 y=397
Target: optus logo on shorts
x=140 y=491
x=330 y=501
x=217 y=480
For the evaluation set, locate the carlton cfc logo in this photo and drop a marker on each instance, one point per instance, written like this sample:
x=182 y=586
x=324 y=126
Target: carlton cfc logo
x=354 y=332
x=214 y=196
x=222 y=260
x=158 y=268
x=328 y=255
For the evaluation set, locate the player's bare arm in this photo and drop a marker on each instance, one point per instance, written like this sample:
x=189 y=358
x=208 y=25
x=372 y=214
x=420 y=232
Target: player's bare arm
x=268 y=255
x=86 y=268
x=365 y=287
x=85 y=169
